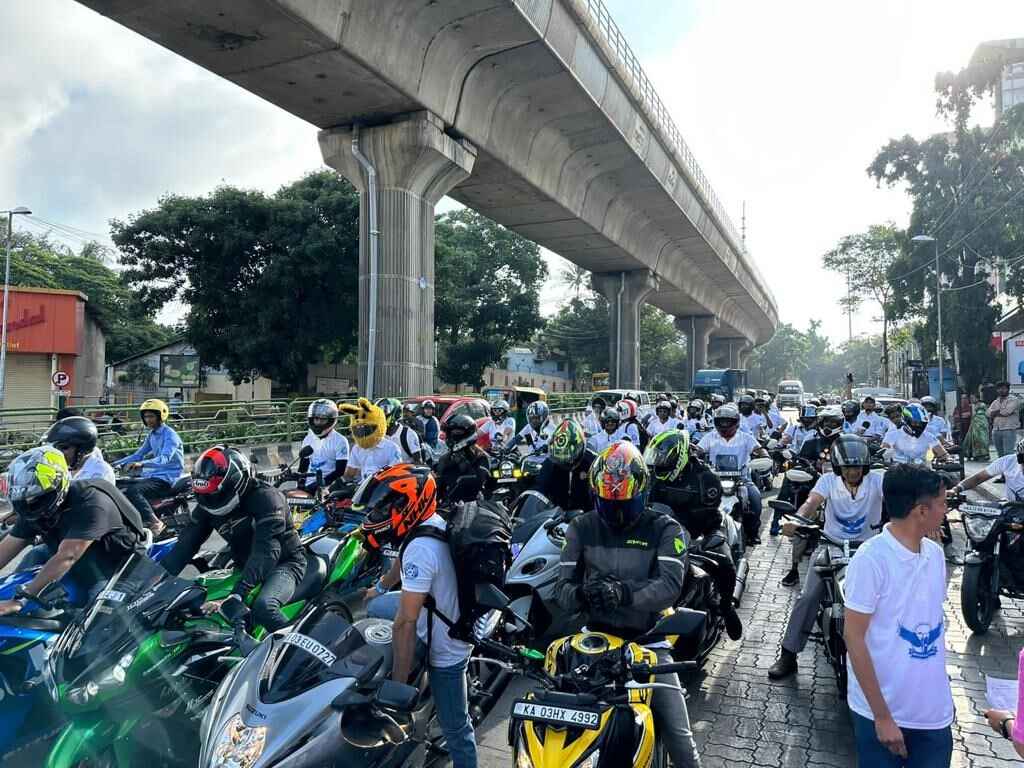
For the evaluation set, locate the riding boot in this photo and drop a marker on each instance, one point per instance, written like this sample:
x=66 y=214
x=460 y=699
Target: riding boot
x=784 y=667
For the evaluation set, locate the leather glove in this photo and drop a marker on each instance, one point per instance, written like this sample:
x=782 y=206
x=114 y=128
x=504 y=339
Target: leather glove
x=607 y=594
x=590 y=595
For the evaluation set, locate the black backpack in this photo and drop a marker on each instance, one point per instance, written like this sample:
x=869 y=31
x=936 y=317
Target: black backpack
x=479 y=537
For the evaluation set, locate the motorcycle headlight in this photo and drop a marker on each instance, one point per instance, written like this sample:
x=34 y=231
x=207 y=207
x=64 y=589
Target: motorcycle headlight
x=516 y=549
x=495 y=474
x=523 y=758
x=111 y=678
x=590 y=761
x=517 y=473
x=239 y=746
x=979 y=526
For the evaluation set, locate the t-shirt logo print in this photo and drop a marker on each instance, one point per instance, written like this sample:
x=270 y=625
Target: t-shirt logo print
x=853 y=525
x=922 y=640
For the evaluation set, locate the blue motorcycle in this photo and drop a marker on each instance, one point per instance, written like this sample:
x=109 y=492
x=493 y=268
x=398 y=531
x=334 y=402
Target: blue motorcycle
x=25 y=715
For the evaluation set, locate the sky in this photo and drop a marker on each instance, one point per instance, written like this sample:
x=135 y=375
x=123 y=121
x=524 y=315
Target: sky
x=783 y=103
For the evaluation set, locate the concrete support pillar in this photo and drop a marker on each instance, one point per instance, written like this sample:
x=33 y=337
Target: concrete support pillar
x=698 y=330
x=743 y=356
x=624 y=291
x=728 y=350
x=416 y=163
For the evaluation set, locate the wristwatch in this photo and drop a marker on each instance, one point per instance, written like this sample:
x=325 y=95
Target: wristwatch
x=22 y=596
x=379 y=586
x=1003 y=728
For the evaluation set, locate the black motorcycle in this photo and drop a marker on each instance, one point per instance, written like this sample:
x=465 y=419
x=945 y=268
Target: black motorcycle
x=994 y=565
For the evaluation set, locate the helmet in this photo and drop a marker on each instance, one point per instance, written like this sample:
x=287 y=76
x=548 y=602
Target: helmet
x=894 y=409
x=366 y=421
x=73 y=432
x=610 y=416
x=499 y=409
x=37 y=483
x=631 y=395
x=930 y=404
x=727 y=420
x=598 y=402
x=394 y=501
x=850 y=451
x=761 y=400
x=808 y=415
x=663 y=405
x=850 y=410
x=567 y=443
x=460 y=432
x=717 y=401
x=1020 y=451
x=695 y=409
x=830 y=421
x=867 y=399
x=409 y=409
x=159 y=407
x=745 y=404
x=322 y=409
x=427 y=404
x=537 y=414
x=668 y=454
x=915 y=419
x=392 y=408
x=626 y=409
x=618 y=478
x=220 y=478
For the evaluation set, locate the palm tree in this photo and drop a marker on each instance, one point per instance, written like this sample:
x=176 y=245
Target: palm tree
x=575 y=277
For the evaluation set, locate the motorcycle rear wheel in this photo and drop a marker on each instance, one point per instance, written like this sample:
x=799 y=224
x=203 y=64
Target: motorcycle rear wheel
x=977 y=603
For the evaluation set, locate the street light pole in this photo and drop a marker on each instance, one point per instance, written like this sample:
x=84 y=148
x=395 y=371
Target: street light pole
x=19 y=211
x=938 y=314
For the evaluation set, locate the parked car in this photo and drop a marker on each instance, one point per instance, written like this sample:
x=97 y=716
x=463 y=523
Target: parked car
x=449 y=406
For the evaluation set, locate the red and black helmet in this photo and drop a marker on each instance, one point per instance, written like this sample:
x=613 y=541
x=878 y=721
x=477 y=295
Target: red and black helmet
x=395 y=500
x=220 y=477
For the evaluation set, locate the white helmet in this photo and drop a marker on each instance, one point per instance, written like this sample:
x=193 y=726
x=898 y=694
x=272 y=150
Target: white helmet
x=830 y=420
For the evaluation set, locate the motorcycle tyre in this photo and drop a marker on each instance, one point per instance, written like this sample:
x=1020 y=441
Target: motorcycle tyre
x=977 y=604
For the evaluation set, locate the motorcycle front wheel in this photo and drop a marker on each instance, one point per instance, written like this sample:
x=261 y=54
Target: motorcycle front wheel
x=977 y=602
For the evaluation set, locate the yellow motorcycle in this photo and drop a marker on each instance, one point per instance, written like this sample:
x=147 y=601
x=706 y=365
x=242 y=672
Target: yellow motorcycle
x=593 y=706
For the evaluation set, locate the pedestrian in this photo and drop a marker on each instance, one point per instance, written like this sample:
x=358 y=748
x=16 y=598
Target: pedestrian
x=962 y=416
x=1007 y=724
x=975 y=445
x=1004 y=413
x=899 y=694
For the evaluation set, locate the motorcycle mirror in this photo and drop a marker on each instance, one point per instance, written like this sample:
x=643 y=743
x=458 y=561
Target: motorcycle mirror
x=306 y=452
x=761 y=465
x=489 y=596
x=233 y=609
x=682 y=622
x=782 y=506
x=397 y=696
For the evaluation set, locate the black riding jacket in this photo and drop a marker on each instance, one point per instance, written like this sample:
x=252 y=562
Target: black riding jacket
x=694 y=497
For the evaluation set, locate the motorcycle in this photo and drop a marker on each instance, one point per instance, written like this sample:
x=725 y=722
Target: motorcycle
x=506 y=472
x=135 y=672
x=173 y=510
x=994 y=566
x=734 y=503
x=830 y=564
x=25 y=638
x=593 y=706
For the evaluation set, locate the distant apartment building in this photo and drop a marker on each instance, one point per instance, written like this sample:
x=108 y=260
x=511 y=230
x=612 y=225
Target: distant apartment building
x=1009 y=91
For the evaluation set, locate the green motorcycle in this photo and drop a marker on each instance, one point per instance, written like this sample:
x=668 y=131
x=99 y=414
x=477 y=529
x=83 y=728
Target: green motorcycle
x=135 y=673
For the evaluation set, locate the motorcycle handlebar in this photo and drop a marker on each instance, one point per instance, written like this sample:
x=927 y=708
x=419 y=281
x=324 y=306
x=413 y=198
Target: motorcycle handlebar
x=667 y=669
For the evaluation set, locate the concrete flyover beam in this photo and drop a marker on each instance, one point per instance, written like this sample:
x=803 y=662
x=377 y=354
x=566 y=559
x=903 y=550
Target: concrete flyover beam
x=624 y=291
x=416 y=163
x=729 y=351
x=698 y=330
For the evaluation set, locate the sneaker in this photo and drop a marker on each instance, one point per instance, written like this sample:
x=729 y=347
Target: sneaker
x=791 y=579
x=785 y=666
x=157 y=527
x=733 y=624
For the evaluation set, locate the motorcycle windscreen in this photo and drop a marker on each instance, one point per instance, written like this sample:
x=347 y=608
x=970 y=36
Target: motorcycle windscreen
x=119 y=618
x=532 y=506
x=324 y=646
x=725 y=462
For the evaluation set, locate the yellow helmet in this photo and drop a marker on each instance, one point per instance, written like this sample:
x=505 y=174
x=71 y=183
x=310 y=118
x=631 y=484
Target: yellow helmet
x=367 y=422
x=157 y=406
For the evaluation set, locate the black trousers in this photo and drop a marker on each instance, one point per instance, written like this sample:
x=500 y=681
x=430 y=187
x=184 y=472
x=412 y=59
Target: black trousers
x=140 y=490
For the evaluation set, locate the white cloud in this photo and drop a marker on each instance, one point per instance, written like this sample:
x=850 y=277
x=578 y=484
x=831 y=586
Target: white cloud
x=786 y=103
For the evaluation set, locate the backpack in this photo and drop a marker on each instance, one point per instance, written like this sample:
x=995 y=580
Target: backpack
x=479 y=537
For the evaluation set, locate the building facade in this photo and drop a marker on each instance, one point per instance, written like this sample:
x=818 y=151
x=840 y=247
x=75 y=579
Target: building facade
x=521 y=367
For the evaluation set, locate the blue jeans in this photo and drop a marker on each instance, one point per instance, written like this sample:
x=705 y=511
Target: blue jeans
x=752 y=518
x=925 y=749
x=448 y=687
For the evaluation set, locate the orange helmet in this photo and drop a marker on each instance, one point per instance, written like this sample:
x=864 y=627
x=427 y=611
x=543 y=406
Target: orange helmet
x=395 y=500
x=619 y=479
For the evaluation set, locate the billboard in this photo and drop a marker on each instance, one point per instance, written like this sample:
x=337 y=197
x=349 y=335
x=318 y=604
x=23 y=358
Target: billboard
x=179 y=371
x=1015 y=359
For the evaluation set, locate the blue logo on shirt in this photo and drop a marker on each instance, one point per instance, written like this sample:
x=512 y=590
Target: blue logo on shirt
x=853 y=525
x=922 y=640
x=411 y=571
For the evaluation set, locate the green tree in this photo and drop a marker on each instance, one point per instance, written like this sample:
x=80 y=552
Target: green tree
x=783 y=357
x=127 y=324
x=488 y=283
x=865 y=259
x=269 y=281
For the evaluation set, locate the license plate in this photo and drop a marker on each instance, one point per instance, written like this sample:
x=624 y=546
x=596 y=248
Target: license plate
x=506 y=480
x=571 y=716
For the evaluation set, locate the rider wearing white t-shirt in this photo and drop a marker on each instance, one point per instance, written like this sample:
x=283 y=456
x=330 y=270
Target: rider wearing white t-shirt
x=663 y=419
x=1009 y=467
x=853 y=512
x=899 y=692
x=911 y=444
x=501 y=427
x=937 y=425
x=797 y=433
x=330 y=449
x=538 y=430
x=611 y=431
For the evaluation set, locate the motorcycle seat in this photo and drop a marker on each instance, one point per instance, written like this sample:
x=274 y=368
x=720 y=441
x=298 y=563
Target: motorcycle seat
x=182 y=485
x=313 y=581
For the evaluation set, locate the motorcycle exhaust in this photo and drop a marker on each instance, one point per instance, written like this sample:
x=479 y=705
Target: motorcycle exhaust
x=741 y=581
x=489 y=696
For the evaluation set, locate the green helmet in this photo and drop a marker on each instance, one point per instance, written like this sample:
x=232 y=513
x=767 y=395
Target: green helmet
x=568 y=442
x=668 y=454
x=38 y=481
x=392 y=408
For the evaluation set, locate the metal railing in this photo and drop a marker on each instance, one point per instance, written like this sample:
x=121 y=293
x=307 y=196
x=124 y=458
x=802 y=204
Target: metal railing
x=643 y=90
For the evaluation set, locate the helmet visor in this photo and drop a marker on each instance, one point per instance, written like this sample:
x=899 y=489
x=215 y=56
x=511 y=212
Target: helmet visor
x=620 y=513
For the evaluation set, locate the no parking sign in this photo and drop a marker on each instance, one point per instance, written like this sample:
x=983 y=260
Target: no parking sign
x=60 y=379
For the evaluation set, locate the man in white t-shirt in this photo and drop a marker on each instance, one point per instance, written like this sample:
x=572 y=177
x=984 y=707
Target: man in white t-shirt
x=853 y=512
x=937 y=425
x=372 y=451
x=899 y=693
x=1009 y=467
x=663 y=419
x=611 y=431
x=424 y=568
x=501 y=427
x=797 y=433
x=911 y=443
x=592 y=419
x=878 y=424
x=330 y=449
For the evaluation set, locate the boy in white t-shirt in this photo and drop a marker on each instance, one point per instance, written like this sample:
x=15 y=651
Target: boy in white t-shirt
x=899 y=693
x=853 y=512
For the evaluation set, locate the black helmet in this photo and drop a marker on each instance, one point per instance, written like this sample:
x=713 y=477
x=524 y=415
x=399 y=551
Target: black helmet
x=850 y=451
x=460 y=432
x=727 y=420
x=598 y=402
x=808 y=416
x=73 y=432
x=850 y=410
x=220 y=478
x=746 y=404
x=609 y=416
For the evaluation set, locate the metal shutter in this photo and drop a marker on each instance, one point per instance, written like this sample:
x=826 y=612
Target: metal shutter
x=28 y=381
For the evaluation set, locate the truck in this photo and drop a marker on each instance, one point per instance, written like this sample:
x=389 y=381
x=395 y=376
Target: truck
x=728 y=382
x=791 y=393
